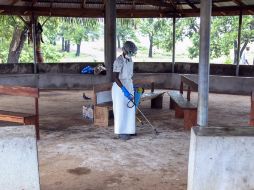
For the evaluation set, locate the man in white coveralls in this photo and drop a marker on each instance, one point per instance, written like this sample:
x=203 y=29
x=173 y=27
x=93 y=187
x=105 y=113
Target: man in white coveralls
x=122 y=92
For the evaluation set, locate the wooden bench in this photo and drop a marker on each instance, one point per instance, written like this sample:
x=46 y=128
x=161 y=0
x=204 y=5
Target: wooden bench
x=18 y=117
x=103 y=106
x=183 y=107
x=252 y=109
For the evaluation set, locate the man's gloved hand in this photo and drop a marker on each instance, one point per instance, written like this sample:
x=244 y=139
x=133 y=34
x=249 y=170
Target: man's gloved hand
x=126 y=93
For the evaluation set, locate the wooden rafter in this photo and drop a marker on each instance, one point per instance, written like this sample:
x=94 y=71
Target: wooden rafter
x=153 y=3
x=238 y=2
x=14 y=2
x=83 y=3
x=191 y=4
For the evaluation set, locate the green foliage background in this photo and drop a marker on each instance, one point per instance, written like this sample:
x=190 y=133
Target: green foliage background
x=224 y=31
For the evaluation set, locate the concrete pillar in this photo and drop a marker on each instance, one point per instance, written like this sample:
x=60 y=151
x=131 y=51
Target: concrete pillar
x=204 y=59
x=221 y=159
x=239 y=42
x=110 y=36
x=18 y=155
x=174 y=44
x=252 y=109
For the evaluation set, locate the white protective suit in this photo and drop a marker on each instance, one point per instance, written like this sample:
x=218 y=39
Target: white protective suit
x=124 y=117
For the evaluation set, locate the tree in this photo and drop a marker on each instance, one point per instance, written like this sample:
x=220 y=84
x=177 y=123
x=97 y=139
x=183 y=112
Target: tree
x=5 y=37
x=13 y=35
x=12 y=25
x=125 y=29
x=159 y=32
x=86 y=30
x=51 y=29
x=224 y=32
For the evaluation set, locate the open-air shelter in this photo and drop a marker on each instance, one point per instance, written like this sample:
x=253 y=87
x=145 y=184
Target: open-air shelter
x=112 y=9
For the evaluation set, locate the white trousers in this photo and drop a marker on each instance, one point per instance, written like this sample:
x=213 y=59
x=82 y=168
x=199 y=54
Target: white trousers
x=124 y=117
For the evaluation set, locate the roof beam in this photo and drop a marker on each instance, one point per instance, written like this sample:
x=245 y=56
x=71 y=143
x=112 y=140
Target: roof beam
x=122 y=13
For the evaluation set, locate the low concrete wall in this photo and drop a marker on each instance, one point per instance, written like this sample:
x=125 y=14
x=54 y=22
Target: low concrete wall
x=18 y=155
x=218 y=84
x=229 y=84
x=221 y=159
x=139 y=67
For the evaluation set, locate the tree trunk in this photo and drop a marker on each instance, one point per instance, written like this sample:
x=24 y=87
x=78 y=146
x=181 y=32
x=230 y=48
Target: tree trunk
x=235 y=52
x=118 y=42
x=241 y=50
x=150 y=46
x=78 y=50
x=38 y=35
x=63 y=47
x=18 y=39
x=68 y=46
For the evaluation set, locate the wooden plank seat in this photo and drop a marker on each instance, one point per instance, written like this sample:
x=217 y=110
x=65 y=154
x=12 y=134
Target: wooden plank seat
x=252 y=109
x=16 y=117
x=103 y=108
x=183 y=107
x=19 y=117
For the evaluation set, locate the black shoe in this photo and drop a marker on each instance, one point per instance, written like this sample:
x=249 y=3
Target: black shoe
x=124 y=137
x=135 y=134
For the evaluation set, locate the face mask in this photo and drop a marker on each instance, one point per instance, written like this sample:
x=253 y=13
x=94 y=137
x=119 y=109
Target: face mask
x=128 y=56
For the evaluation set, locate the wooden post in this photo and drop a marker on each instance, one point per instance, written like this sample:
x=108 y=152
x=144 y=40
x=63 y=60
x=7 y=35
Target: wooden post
x=239 y=42
x=188 y=93
x=34 y=41
x=181 y=87
x=152 y=87
x=174 y=44
x=110 y=36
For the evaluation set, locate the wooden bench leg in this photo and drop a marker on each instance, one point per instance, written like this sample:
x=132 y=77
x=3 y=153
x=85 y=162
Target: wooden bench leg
x=179 y=113
x=101 y=116
x=157 y=102
x=34 y=121
x=172 y=104
x=37 y=128
x=190 y=118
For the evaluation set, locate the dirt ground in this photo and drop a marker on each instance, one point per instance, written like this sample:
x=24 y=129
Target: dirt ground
x=75 y=155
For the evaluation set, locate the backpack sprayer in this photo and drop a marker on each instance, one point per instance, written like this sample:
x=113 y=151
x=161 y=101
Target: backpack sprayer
x=138 y=91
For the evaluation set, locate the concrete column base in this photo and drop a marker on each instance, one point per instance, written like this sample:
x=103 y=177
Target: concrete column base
x=221 y=159
x=18 y=155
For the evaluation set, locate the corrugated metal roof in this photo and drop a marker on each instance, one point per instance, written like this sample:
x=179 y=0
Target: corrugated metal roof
x=135 y=8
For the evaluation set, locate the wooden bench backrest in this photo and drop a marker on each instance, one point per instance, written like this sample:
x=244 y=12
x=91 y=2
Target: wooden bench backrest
x=192 y=85
x=148 y=81
x=98 y=91
x=19 y=91
x=189 y=82
x=105 y=88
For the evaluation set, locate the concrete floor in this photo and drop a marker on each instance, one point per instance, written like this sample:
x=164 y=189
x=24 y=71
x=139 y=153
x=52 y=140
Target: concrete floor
x=75 y=155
